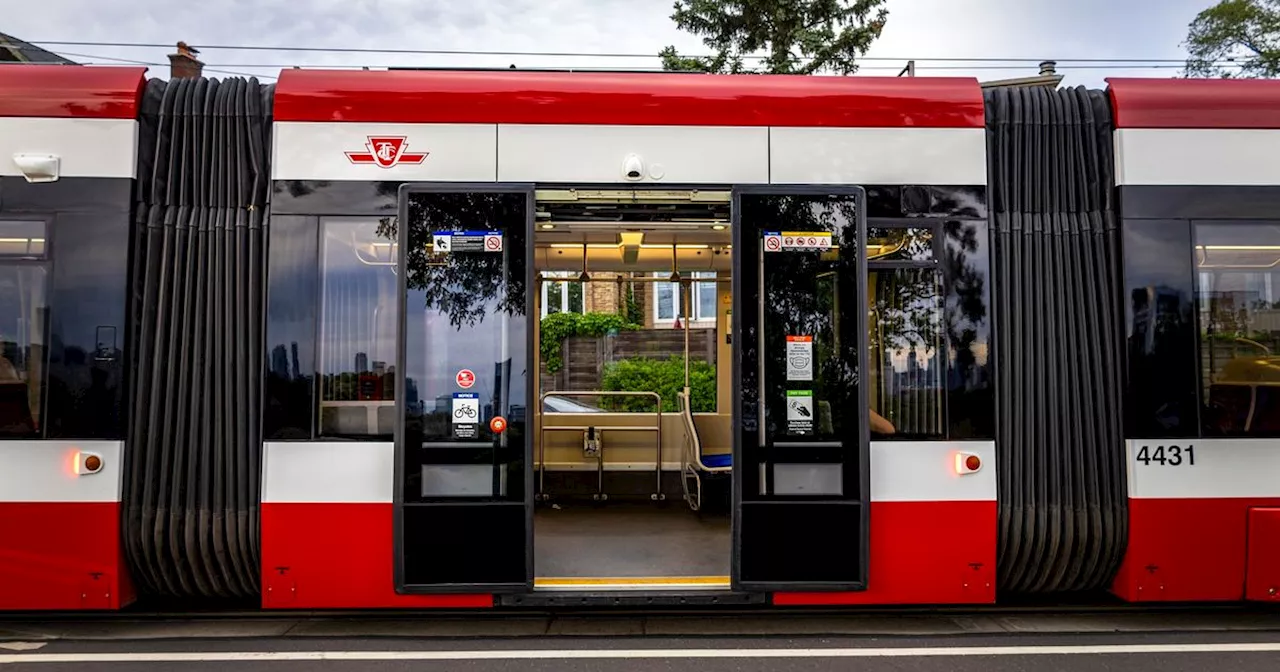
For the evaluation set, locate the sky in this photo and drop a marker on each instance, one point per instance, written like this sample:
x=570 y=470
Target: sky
x=917 y=29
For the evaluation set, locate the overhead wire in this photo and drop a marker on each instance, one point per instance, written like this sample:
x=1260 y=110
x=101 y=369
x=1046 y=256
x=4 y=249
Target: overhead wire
x=569 y=54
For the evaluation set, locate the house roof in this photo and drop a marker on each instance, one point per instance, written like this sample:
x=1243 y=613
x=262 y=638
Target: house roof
x=13 y=50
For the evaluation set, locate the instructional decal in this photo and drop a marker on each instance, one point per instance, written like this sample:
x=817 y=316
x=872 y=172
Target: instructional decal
x=799 y=358
x=446 y=242
x=800 y=411
x=466 y=414
x=783 y=241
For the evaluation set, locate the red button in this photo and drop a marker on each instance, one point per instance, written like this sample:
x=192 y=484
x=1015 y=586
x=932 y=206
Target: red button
x=497 y=424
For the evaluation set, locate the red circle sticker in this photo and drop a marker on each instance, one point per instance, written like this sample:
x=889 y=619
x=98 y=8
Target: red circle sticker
x=497 y=424
x=465 y=378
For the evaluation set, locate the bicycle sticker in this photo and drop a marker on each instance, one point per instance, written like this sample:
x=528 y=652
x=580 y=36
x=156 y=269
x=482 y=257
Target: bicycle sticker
x=466 y=414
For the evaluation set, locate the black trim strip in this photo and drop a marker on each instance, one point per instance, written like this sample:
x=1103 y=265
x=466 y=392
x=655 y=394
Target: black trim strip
x=1199 y=202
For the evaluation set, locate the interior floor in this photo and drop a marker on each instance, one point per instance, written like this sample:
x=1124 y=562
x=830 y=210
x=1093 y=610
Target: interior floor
x=630 y=543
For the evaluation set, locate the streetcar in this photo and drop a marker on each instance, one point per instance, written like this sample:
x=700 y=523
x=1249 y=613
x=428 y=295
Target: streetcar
x=417 y=339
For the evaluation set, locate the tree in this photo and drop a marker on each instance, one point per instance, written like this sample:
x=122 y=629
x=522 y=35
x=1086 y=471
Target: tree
x=798 y=36
x=1246 y=32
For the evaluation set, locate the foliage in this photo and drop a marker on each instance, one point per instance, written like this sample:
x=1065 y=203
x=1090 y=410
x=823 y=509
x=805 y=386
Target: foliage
x=797 y=36
x=556 y=327
x=664 y=376
x=633 y=305
x=1245 y=32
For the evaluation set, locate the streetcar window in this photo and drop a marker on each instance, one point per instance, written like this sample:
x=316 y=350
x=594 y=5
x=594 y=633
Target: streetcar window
x=357 y=328
x=1238 y=292
x=907 y=350
x=23 y=348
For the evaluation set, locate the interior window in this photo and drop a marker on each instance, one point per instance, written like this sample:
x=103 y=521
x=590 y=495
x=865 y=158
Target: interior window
x=357 y=329
x=1238 y=301
x=23 y=322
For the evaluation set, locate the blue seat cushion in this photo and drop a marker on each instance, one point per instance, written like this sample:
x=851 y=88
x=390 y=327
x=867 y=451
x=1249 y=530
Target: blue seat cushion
x=717 y=461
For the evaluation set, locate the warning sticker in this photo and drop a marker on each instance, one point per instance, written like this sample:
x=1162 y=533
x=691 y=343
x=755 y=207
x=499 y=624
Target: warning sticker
x=466 y=414
x=445 y=242
x=799 y=358
x=800 y=411
x=779 y=241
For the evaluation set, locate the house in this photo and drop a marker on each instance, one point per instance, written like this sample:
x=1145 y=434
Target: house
x=13 y=50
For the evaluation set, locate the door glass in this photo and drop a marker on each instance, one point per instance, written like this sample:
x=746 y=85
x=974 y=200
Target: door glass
x=802 y=441
x=465 y=389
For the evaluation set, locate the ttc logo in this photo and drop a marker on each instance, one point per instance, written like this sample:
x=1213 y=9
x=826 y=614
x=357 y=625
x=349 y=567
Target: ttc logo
x=386 y=151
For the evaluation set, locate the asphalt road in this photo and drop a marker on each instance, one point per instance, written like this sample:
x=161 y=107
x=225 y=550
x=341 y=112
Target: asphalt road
x=1149 y=652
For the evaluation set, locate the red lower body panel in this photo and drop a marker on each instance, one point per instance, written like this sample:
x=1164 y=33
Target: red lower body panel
x=1189 y=550
x=335 y=556
x=923 y=553
x=62 y=556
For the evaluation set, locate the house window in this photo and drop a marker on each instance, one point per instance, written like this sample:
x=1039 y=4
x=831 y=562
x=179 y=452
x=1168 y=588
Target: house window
x=561 y=297
x=668 y=304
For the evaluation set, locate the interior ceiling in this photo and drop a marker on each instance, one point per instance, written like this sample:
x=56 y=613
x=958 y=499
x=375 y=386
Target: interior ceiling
x=662 y=221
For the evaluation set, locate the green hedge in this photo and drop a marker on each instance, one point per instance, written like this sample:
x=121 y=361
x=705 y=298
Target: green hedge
x=664 y=376
x=558 y=326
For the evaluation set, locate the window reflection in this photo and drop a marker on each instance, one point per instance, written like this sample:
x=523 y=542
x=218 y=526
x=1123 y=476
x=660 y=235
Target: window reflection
x=23 y=316
x=22 y=239
x=357 y=329
x=899 y=244
x=1238 y=292
x=907 y=358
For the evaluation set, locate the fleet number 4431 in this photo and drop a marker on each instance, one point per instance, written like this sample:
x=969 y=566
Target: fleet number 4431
x=1170 y=456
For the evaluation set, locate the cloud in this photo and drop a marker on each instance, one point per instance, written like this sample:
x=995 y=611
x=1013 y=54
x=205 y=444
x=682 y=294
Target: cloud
x=919 y=29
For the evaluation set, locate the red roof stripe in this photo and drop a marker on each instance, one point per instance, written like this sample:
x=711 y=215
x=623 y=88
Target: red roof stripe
x=1195 y=103
x=78 y=91
x=521 y=97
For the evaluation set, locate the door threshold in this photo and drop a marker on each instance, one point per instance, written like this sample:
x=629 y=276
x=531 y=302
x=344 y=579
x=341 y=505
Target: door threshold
x=630 y=583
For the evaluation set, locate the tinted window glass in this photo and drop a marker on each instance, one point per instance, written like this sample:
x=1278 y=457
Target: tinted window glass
x=87 y=326
x=966 y=267
x=1159 y=329
x=358 y=329
x=1238 y=288
x=292 y=298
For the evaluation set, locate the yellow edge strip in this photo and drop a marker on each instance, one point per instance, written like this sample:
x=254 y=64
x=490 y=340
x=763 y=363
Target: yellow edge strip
x=630 y=580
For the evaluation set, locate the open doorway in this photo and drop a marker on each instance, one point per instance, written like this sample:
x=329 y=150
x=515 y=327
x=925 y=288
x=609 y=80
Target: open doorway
x=632 y=431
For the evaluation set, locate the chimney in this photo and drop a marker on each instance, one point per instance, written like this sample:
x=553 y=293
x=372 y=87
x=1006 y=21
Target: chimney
x=1048 y=68
x=184 y=64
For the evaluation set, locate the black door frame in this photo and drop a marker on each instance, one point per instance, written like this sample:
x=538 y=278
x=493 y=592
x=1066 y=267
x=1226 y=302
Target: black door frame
x=739 y=336
x=402 y=236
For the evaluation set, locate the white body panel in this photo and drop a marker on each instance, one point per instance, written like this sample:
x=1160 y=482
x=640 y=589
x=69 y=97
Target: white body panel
x=948 y=156
x=667 y=154
x=84 y=147
x=318 y=151
x=1209 y=157
x=597 y=154
x=353 y=472
x=925 y=471
x=45 y=471
x=1214 y=468
x=358 y=472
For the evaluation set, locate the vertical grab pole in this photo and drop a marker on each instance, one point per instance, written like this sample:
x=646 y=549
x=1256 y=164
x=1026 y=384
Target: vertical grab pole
x=760 y=338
